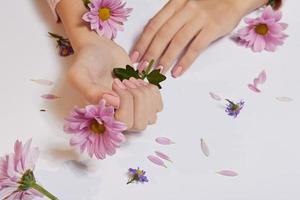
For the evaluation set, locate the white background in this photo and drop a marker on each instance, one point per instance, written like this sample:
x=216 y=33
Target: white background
x=262 y=144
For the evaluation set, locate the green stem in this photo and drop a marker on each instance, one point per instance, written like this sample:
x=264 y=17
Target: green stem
x=131 y=181
x=42 y=190
x=230 y=102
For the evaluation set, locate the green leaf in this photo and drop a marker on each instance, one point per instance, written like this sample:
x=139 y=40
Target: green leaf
x=86 y=2
x=122 y=73
x=155 y=78
x=55 y=35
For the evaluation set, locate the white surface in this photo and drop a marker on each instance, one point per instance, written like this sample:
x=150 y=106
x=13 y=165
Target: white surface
x=262 y=144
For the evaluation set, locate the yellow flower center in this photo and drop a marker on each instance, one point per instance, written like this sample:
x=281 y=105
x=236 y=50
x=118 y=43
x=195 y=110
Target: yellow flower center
x=104 y=13
x=139 y=172
x=97 y=128
x=261 y=29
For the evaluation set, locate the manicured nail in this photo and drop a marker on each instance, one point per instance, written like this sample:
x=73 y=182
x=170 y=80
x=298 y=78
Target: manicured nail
x=134 y=56
x=161 y=68
x=143 y=66
x=119 y=83
x=112 y=100
x=135 y=81
x=129 y=84
x=177 y=71
x=142 y=82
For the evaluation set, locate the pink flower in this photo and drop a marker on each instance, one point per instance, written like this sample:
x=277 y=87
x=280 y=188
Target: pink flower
x=95 y=129
x=13 y=168
x=106 y=17
x=263 y=33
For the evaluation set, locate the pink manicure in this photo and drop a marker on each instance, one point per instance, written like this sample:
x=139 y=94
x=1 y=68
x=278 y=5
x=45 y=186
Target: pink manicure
x=142 y=82
x=119 y=83
x=134 y=56
x=161 y=68
x=177 y=71
x=143 y=66
x=129 y=84
x=135 y=81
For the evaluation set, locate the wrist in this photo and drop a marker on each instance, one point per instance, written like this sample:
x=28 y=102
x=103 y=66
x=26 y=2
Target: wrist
x=243 y=7
x=70 y=13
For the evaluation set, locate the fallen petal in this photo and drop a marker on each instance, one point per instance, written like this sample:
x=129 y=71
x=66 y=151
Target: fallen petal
x=42 y=82
x=157 y=161
x=204 y=148
x=253 y=88
x=164 y=141
x=215 y=96
x=227 y=173
x=50 y=96
x=284 y=99
x=163 y=156
x=261 y=79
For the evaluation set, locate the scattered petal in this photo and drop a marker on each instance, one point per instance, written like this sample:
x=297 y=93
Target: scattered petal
x=157 y=161
x=204 y=148
x=284 y=99
x=261 y=79
x=163 y=156
x=164 y=141
x=254 y=88
x=42 y=82
x=227 y=173
x=215 y=96
x=50 y=96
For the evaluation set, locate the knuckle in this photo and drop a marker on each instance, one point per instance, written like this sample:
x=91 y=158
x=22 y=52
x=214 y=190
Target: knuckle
x=139 y=127
x=151 y=26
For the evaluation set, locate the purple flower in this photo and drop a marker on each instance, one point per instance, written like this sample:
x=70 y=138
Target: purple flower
x=137 y=175
x=65 y=49
x=64 y=45
x=233 y=109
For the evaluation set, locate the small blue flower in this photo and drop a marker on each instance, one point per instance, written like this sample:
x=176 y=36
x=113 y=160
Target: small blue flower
x=233 y=109
x=137 y=175
x=64 y=45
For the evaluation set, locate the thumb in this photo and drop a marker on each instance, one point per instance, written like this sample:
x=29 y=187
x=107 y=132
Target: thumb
x=91 y=91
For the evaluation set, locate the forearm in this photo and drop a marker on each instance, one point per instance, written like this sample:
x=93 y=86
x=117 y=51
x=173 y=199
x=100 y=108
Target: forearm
x=247 y=6
x=70 y=13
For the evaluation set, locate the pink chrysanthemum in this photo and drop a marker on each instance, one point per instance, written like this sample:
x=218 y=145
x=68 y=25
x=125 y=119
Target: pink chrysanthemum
x=263 y=33
x=106 y=17
x=13 y=169
x=95 y=129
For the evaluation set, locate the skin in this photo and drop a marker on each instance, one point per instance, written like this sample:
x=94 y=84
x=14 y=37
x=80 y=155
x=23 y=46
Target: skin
x=91 y=73
x=186 y=28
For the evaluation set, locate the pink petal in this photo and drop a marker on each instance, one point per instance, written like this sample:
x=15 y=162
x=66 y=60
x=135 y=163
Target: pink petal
x=42 y=82
x=157 y=161
x=163 y=156
x=227 y=173
x=164 y=141
x=261 y=79
x=50 y=96
x=204 y=148
x=284 y=99
x=253 y=88
x=215 y=96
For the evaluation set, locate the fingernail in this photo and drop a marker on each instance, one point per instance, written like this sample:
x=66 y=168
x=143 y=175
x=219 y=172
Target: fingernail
x=142 y=82
x=143 y=66
x=135 y=81
x=112 y=100
x=161 y=68
x=134 y=56
x=177 y=71
x=119 y=83
x=129 y=84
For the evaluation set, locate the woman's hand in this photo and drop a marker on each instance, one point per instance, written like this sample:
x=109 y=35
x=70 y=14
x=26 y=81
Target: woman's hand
x=91 y=74
x=187 y=27
x=137 y=102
